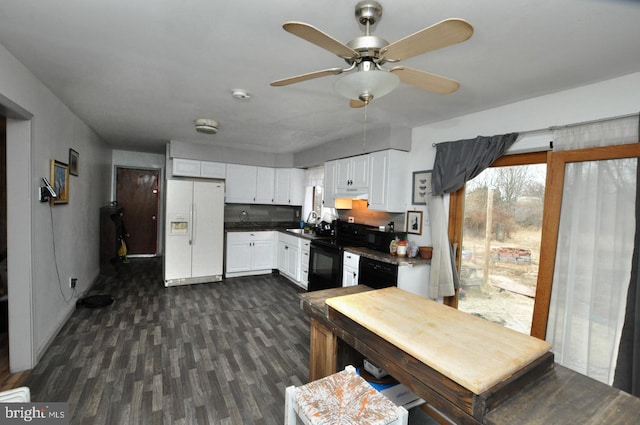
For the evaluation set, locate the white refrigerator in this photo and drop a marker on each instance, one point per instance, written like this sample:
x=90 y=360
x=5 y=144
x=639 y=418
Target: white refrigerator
x=194 y=232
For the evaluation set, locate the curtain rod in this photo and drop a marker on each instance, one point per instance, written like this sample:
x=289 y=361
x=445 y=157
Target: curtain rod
x=558 y=127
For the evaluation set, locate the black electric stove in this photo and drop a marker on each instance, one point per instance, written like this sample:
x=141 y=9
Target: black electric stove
x=325 y=257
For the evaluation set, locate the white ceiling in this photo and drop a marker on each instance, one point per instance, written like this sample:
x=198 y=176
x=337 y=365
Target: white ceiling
x=139 y=72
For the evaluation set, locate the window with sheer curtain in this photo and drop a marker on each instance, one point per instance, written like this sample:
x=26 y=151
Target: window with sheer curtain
x=594 y=250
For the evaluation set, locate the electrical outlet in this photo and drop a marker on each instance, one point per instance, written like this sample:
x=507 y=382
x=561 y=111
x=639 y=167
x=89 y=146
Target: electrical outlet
x=72 y=282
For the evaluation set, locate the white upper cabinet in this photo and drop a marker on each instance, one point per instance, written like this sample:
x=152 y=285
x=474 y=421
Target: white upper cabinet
x=186 y=167
x=296 y=186
x=329 y=198
x=383 y=176
x=213 y=170
x=352 y=175
x=389 y=178
x=241 y=183
x=195 y=168
x=289 y=186
x=248 y=184
x=265 y=184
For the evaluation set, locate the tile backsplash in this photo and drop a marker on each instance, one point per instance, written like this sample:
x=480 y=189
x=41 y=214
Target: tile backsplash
x=233 y=213
x=362 y=214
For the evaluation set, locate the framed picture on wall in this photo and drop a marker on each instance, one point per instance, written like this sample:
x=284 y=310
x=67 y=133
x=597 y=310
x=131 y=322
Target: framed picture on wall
x=60 y=182
x=74 y=157
x=421 y=187
x=414 y=222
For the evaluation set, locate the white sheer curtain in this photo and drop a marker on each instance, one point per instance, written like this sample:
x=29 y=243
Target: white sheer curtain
x=595 y=245
x=441 y=278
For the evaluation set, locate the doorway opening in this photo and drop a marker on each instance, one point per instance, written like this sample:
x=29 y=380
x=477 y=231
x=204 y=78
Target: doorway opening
x=501 y=244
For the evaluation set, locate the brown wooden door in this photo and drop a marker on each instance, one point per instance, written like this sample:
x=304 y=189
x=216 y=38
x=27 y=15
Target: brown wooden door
x=137 y=193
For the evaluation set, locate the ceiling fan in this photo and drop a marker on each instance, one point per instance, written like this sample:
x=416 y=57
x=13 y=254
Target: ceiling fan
x=367 y=53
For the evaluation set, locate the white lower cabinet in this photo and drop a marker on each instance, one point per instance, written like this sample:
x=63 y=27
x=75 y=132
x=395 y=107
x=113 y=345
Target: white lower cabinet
x=350 y=265
x=304 y=263
x=415 y=279
x=249 y=253
x=292 y=257
x=288 y=260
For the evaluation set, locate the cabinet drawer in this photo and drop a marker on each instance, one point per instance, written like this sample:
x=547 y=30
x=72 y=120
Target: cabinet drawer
x=304 y=260
x=289 y=239
x=261 y=236
x=306 y=245
x=351 y=260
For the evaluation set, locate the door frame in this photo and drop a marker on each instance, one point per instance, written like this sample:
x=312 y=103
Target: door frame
x=551 y=220
x=556 y=163
x=20 y=237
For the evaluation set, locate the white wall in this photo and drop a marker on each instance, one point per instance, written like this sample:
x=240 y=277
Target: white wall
x=607 y=99
x=187 y=150
x=36 y=306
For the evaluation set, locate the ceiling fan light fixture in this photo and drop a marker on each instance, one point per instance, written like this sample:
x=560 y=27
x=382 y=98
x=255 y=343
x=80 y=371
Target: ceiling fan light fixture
x=206 y=126
x=366 y=85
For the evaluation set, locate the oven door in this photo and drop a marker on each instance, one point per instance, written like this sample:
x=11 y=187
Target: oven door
x=325 y=266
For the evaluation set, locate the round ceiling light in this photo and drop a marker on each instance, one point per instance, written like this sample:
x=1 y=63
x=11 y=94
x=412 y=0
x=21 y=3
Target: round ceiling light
x=206 y=126
x=240 y=94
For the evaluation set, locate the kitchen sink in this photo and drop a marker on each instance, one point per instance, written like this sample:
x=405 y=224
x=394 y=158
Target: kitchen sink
x=299 y=231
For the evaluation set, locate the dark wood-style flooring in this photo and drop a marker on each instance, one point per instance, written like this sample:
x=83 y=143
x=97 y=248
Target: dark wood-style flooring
x=219 y=353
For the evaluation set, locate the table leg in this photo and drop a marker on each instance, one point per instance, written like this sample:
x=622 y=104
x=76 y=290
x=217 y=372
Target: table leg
x=323 y=351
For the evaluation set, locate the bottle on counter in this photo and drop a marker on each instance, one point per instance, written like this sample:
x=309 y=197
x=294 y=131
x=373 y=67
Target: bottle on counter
x=393 y=247
x=402 y=249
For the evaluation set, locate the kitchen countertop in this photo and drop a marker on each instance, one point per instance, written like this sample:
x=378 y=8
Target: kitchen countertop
x=388 y=258
x=440 y=337
x=258 y=226
x=559 y=395
x=267 y=227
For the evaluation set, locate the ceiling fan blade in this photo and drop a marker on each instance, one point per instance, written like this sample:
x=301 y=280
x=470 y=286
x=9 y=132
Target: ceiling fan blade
x=425 y=80
x=308 y=76
x=319 y=38
x=442 y=34
x=356 y=103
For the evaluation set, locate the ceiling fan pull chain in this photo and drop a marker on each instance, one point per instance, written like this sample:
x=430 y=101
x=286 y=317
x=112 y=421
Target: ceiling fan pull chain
x=364 y=130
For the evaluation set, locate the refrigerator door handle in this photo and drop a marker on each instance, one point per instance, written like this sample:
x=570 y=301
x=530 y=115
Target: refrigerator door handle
x=193 y=223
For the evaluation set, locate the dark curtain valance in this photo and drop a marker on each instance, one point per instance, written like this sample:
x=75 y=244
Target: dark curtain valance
x=462 y=160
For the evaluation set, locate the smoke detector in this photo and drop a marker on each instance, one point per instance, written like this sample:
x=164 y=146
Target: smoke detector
x=240 y=94
x=206 y=126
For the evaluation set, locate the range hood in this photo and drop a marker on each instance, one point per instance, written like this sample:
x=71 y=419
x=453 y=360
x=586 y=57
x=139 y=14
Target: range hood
x=343 y=202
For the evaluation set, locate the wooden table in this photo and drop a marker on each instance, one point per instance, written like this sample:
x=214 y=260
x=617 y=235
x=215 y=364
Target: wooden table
x=461 y=383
